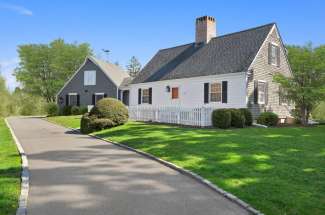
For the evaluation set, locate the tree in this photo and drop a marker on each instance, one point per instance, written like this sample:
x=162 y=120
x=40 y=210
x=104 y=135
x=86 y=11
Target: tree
x=44 y=68
x=134 y=66
x=307 y=85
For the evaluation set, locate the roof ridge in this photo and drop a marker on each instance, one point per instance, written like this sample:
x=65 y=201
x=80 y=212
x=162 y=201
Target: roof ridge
x=245 y=30
x=229 y=34
x=177 y=46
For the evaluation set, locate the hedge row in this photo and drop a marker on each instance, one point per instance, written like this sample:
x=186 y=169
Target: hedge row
x=226 y=118
x=53 y=109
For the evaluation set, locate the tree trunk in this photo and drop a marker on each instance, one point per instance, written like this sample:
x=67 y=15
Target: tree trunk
x=304 y=116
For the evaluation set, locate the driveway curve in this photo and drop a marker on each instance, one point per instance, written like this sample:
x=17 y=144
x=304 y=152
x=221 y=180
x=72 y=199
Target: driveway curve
x=75 y=174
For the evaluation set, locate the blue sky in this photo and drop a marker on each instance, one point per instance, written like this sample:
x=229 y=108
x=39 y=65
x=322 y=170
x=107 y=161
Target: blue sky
x=140 y=28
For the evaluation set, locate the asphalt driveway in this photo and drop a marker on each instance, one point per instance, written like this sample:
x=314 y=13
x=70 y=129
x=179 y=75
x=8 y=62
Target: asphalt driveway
x=77 y=174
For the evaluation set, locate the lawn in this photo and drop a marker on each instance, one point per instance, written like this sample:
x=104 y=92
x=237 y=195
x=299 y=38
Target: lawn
x=9 y=172
x=67 y=121
x=276 y=170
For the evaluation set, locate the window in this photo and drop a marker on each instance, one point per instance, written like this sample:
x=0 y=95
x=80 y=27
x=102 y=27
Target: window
x=90 y=77
x=283 y=97
x=145 y=96
x=73 y=100
x=261 y=92
x=274 y=54
x=98 y=96
x=175 y=93
x=215 y=92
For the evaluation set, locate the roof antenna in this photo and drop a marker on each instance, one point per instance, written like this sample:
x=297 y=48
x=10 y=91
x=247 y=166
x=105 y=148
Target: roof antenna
x=106 y=51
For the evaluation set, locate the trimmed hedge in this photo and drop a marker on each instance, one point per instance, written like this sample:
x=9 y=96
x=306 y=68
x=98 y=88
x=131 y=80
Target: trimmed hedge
x=83 y=110
x=221 y=118
x=66 y=111
x=268 y=119
x=107 y=113
x=75 y=110
x=52 y=109
x=237 y=118
x=112 y=109
x=248 y=116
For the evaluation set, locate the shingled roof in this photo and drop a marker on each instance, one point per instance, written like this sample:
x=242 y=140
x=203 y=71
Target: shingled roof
x=229 y=53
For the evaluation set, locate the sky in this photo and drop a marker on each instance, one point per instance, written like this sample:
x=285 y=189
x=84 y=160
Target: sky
x=140 y=28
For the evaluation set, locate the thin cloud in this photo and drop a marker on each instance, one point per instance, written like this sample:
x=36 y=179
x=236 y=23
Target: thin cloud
x=17 y=8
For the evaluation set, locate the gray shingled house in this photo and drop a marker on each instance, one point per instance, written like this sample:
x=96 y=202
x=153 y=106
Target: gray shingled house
x=94 y=80
x=227 y=71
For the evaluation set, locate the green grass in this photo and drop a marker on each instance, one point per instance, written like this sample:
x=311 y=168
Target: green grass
x=67 y=121
x=276 y=170
x=10 y=169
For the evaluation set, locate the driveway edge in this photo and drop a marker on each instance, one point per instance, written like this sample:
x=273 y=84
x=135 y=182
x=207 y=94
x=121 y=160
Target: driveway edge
x=22 y=205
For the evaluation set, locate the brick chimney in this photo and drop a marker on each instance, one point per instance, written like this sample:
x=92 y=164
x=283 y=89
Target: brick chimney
x=205 y=29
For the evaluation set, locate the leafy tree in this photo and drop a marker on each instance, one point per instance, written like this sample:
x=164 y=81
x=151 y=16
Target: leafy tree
x=134 y=66
x=307 y=85
x=4 y=95
x=44 y=68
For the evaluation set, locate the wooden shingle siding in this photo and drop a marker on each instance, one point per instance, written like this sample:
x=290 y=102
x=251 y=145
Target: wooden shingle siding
x=262 y=70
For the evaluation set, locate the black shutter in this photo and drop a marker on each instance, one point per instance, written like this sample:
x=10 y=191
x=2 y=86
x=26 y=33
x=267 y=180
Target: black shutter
x=119 y=94
x=139 y=96
x=224 y=91
x=67 y=100
x=206 y=93
x=255 y=92
x=93 y=102
x=278 y=56
x=266 y=93
x=150 y=95
x=105 y=95
x=269 y=52
x=78 y=100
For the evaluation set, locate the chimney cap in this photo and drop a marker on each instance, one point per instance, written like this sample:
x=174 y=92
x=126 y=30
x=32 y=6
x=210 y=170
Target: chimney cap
x=204 y=18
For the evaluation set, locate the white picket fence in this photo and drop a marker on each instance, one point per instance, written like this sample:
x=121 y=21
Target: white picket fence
x=200 y=116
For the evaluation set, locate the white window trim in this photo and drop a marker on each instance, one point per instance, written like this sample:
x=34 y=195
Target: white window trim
x=258 y=91
x=276 y=57
x=71 y=94
x=98 y=94
x=215 y=82
x=171 y=92
x=142 y=95
x=86 y=78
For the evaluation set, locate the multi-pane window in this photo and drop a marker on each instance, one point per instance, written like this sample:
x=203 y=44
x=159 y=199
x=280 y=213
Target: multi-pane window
x=215 y=92
x=145 y=96
x=175 y=93
x=98 y=96
x=73 y=100
x=261 y=92
x=274 y=52
x=90 y=77
x=283 y=100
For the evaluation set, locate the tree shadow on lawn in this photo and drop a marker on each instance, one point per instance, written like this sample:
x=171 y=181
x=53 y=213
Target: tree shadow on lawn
x=278 y=170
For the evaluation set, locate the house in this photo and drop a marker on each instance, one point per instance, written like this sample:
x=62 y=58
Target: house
x=227 y=71
x=94 y=80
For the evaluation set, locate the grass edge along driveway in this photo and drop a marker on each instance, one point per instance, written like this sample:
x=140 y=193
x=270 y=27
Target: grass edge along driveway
x=276 y=170
x=10 y=169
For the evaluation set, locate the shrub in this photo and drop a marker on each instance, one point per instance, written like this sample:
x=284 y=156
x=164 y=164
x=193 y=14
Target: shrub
x=75 y=110
x=52 y=109
x=268 y=119
x=66 y=111
x=221 y=118
x=102 y=123
x=112 y=109
x=237 y=118
x=85 y=124
x=248 y=116
x=83 y=110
